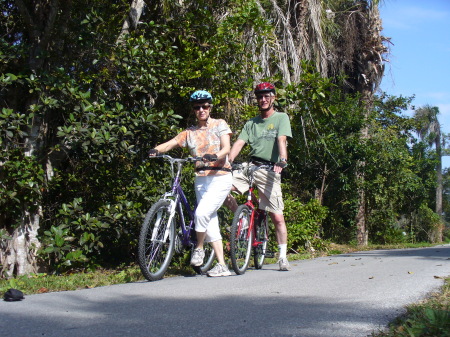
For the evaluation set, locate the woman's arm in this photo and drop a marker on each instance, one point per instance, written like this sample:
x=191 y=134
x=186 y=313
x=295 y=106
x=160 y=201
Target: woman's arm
x=224 y=146
x=167 y=146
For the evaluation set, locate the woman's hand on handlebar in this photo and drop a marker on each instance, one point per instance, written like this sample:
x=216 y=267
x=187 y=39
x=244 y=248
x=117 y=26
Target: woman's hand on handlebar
x=209 y=157
x=153 y=153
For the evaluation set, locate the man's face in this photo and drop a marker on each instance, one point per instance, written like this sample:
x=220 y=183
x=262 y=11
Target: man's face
x=265 y=100
x=202 y=111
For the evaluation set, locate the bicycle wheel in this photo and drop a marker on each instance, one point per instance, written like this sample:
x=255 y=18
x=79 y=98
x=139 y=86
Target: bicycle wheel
x=262 y=235
x=156 y=241
x=241 y=240
x=208 y=260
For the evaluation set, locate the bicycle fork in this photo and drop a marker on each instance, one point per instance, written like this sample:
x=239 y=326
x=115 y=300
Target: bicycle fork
x=159 y=216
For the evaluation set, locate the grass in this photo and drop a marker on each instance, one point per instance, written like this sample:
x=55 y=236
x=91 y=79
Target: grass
x=42 y=283
x=430 y=318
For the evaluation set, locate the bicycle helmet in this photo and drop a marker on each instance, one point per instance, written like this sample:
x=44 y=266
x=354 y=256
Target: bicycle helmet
x=201 y=96
x=264 y=87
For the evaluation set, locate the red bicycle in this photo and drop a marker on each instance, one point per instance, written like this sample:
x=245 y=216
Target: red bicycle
x=249 y=229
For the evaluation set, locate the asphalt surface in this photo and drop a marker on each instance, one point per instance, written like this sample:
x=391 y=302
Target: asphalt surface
x=340 y=296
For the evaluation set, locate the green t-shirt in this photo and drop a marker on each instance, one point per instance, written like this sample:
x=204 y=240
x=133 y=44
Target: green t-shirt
x=261 y=134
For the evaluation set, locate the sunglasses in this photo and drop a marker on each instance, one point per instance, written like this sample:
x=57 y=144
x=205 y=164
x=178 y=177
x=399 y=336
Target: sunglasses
x=204 y=107
x=266 y=96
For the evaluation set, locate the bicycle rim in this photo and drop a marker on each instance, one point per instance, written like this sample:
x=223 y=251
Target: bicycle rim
x=262 y=236
x=241 y=240
x=156 y=241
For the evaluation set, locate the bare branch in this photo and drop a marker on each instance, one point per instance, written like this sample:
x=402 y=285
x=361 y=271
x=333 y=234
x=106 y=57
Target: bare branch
x=132 y=19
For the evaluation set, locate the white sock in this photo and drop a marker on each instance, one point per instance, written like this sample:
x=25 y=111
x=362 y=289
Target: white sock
x=283 y=249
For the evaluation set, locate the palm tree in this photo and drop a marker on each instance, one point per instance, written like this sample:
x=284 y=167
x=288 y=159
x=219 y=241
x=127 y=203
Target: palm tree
x=429 y=130
x=342 y=38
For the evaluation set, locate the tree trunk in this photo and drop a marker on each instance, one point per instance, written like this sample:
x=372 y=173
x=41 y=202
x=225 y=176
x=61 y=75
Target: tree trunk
x=438 y=232
x=131 y=21
x=369 y=73
x=18 y=255
x=318 y=193
x=362 y=233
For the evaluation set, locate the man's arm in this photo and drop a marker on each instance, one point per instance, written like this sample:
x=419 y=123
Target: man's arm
x=282 y=150
x=282 y=147
x=237 y=147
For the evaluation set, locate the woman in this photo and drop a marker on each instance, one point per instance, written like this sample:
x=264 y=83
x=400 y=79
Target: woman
x=209 y=139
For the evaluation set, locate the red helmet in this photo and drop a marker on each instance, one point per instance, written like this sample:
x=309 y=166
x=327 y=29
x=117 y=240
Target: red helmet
x=264 y=87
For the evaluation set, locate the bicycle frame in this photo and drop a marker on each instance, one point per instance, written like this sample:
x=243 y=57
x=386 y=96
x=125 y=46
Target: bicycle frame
x=254 y=211
x=179 y=201
x=249 y=228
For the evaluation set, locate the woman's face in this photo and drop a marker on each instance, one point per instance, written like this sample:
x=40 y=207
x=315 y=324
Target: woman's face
x=202 y=111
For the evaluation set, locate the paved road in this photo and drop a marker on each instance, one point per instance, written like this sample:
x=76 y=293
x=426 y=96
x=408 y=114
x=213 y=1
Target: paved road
x=341 y=296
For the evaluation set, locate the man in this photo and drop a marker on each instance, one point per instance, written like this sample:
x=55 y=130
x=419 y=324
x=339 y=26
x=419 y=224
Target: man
x=267 y=136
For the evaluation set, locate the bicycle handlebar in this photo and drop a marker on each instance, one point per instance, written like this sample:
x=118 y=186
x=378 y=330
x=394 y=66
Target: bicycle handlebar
x=241 y=166
x=177 y=160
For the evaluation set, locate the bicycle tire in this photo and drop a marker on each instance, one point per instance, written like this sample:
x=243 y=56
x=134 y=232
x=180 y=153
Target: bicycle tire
x=241 y=240
x=262 y=235
x=209 y=259
x=154 y=255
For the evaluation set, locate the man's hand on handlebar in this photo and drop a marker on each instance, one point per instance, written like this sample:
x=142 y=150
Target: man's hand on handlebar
x=279 y=166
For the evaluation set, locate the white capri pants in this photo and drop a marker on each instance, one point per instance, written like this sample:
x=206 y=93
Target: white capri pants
x=211 y=192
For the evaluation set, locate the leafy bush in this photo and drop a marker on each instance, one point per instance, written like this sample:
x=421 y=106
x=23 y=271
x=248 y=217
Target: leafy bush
x=304 y=223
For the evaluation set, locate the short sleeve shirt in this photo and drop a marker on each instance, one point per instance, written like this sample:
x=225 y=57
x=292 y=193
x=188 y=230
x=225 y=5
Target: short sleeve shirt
x=204 y=140
x=261 y=134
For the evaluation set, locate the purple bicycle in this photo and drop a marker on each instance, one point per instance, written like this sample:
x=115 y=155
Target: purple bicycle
x=169 y=227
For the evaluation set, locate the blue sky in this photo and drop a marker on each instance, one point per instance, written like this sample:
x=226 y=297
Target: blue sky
x=419 y=60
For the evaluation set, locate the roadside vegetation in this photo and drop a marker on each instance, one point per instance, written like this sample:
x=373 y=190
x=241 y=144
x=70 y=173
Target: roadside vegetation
x=429 y=318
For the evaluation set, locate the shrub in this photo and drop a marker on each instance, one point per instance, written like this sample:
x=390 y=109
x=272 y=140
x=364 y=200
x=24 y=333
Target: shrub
x=304 y=223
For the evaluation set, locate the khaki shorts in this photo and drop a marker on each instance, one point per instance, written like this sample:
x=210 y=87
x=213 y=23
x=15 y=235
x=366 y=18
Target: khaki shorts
x=269 y=188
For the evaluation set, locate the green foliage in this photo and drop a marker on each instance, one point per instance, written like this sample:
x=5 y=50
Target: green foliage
x=80 y=114
x=304 y=223
x=57 y=243
x=21 y=180
x=432 y=323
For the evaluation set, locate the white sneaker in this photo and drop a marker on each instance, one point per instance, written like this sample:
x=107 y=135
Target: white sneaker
x=197 y=257
x=219 y=270
x=284 y=264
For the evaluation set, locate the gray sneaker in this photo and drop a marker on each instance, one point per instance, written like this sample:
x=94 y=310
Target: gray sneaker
x=197 y=257
x=284 y=264
x=219 y=270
